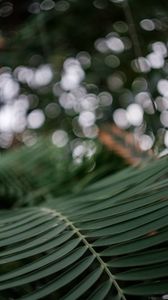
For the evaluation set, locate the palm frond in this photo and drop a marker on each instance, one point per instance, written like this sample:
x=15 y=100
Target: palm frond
x=108 y=242
x=20 y=182
x=28 y=174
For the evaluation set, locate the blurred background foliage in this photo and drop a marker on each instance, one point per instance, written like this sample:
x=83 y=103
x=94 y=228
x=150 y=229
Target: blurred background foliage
x=84 y=86
x=68 y=67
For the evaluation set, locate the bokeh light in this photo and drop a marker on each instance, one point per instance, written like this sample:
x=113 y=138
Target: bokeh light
x=68 y=81
x=60 y=138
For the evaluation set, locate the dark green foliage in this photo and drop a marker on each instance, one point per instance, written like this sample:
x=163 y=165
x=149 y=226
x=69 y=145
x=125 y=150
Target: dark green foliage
x=107 y=242
x=94 y=230
x=28 y=174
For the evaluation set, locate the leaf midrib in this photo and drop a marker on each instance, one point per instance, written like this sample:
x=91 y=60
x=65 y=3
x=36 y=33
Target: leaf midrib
x=92 y=250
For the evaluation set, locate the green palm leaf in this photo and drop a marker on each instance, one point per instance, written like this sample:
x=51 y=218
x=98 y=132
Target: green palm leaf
x=108 y=242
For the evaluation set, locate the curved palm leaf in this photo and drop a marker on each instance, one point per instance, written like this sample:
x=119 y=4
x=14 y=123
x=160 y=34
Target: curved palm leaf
x=109 y=242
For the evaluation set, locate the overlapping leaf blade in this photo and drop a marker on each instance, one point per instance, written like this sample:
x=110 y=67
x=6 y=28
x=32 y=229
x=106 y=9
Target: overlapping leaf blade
x=93 y=245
